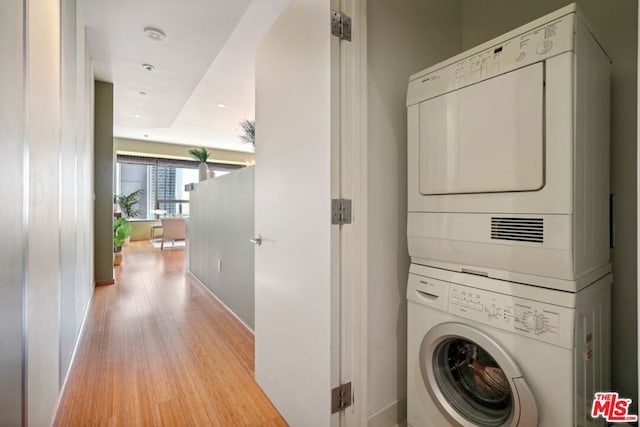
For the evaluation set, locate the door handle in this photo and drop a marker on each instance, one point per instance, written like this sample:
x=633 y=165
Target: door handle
x=257 y=240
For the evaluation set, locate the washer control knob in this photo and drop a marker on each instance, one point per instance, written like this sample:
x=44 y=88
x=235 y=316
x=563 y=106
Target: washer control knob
x=535 y=322
x=492 y=311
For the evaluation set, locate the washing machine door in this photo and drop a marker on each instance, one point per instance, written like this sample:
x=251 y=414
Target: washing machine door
x=473 y=380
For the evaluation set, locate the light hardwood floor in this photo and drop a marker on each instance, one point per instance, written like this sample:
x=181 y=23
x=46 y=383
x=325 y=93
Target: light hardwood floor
x=159 y=350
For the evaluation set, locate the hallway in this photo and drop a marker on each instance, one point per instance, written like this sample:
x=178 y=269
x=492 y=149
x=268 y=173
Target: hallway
x=157 y=349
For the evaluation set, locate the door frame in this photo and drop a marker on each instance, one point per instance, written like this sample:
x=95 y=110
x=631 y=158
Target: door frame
x=353 y=237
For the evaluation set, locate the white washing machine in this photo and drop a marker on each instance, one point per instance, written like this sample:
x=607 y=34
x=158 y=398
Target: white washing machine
x=487 y=352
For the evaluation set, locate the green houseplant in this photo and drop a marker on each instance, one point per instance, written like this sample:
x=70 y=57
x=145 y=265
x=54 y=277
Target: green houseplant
x=121 y=232
x=128 y=202
x=202 y=155
x=121 y=227
x=248 y=132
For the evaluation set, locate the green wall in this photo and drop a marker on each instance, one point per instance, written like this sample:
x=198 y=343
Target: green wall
x=140 y=229
x=160 y=149
x=103 y=162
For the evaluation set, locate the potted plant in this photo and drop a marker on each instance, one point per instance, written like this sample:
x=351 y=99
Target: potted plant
x=128 y=209
x=128 y=202
x=202 y=155
x=121 y=232
x=248 y=132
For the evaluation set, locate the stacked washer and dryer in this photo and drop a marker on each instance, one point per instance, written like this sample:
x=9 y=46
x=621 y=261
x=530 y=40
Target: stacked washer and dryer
x=509 y=232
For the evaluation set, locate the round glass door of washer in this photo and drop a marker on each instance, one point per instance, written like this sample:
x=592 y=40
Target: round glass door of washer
x=473 y=380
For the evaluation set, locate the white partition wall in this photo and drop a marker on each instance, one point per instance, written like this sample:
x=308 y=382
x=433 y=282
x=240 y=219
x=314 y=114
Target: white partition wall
x=220 y=224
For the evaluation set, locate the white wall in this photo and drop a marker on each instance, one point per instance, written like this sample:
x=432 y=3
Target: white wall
x=615 y=26
x=12 y=251
x=220 y=225
x=404 y=36
x=76 y=186
x=46 y=212
x=43 y=273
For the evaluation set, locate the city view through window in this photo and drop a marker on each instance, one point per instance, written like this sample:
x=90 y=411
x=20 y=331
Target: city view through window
x=162 y=187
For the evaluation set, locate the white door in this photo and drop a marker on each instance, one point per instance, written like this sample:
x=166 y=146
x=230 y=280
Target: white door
x=296 y=292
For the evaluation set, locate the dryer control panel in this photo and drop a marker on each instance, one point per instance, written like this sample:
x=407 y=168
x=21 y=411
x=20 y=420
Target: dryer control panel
x=496 y=57
x=544 y=322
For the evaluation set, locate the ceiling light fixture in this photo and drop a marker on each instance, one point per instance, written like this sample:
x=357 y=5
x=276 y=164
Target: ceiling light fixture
x=155 y=34
x=148 y=67
x=137 y=115
x=221 y=105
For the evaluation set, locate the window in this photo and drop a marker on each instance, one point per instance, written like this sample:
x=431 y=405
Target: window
x=162 y=182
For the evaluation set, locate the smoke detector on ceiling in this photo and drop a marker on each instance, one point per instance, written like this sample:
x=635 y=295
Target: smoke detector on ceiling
x=155 y=34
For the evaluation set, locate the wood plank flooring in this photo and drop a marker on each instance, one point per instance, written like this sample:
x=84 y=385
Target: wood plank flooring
x=158 y=350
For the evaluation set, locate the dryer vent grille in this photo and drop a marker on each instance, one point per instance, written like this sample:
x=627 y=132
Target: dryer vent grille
x=518 y=229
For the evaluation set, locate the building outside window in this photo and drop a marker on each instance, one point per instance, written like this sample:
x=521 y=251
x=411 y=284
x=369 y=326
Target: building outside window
x=162 y=182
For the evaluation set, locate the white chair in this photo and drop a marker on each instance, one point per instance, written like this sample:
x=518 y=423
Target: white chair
x=172 y=229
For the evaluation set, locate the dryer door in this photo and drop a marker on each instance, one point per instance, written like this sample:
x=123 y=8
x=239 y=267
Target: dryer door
x=473 y=380
x=485 y=138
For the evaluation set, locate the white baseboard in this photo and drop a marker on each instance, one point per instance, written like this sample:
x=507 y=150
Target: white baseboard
x=198 y=281
x=394 y=414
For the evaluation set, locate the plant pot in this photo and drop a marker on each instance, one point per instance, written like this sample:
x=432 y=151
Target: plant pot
x=117 y=258
x=203 y=171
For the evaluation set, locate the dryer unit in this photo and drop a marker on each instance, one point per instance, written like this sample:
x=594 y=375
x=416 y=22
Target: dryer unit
x=508 y=157
x=486 y=352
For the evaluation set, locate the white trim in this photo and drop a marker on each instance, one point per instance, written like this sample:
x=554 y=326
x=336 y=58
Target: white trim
x=391 y=415
x=75 y=350
x=198 y=281
x=353 y=185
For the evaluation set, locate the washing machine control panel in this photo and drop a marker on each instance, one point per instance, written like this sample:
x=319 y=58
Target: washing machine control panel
x=525 y=317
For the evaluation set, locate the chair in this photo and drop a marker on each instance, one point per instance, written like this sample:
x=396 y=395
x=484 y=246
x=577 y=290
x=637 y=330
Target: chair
x=172 y=229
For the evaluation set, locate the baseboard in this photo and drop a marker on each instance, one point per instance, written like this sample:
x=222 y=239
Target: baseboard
x=198 y=281
x=392 y=415
x=73 y=355
x=105 y=282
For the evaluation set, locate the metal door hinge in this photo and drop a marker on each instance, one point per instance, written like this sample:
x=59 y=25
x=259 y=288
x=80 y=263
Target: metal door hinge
x=340 y=398
x=340 y=211
x=340 y=25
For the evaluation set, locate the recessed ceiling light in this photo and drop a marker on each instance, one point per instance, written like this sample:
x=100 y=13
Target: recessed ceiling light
x=137 y=115
x=221 y=105
x=155 y=34
x=148 y=67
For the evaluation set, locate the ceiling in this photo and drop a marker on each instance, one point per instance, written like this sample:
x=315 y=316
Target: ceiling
x=206 y=59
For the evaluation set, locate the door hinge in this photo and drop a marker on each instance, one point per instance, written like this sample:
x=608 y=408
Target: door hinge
x=340 y=211
x=340 y=398
x=340 y=25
